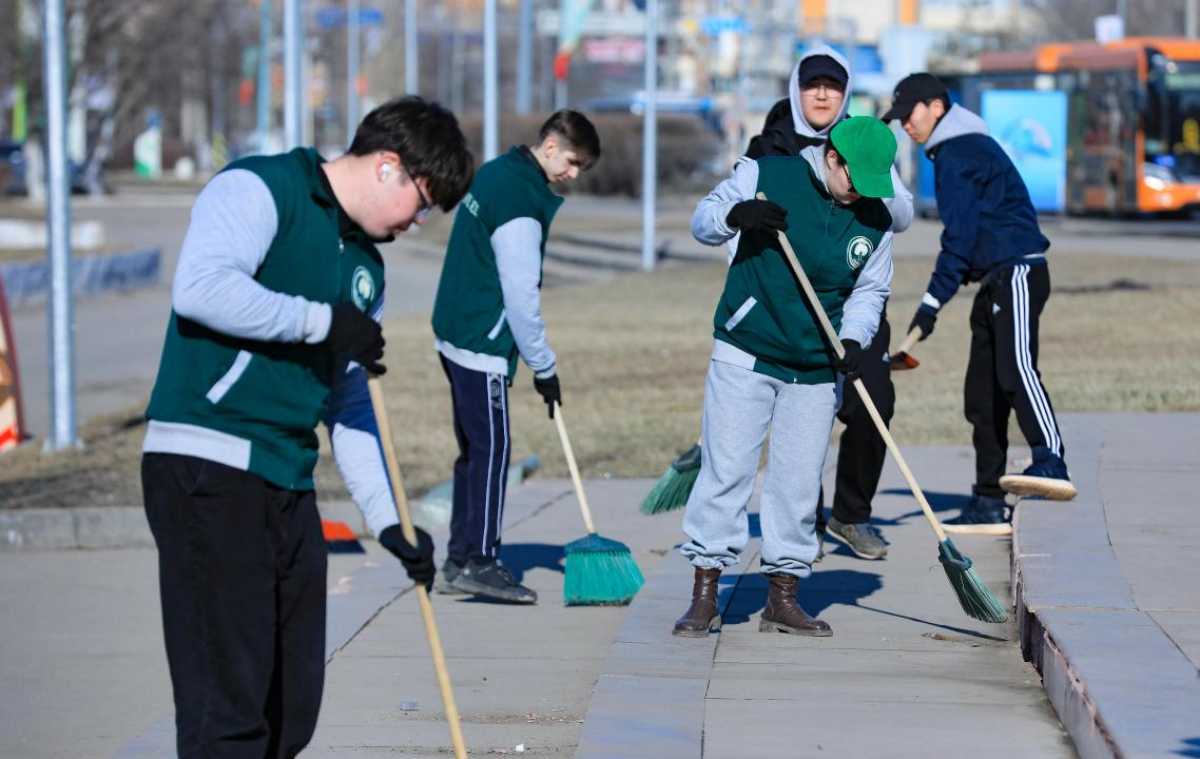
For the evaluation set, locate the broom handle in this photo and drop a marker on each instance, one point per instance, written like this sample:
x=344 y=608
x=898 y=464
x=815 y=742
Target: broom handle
x=832 y=334
x=570 y=454
x=410 y=534
x=910 y=340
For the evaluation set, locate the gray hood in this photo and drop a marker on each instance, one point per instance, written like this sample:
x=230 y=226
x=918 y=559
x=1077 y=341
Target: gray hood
x=812 y=153
x=957 y=122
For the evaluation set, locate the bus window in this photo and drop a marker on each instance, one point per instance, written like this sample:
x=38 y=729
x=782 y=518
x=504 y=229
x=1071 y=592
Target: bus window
x=1172 y=119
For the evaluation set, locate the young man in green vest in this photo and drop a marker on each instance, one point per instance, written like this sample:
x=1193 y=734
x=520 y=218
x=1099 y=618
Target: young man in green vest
x=487 y=313
x=772 y=369
x=276 y=304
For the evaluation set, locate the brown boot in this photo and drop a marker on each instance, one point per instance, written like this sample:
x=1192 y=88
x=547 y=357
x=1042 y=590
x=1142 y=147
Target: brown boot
x=783 y=614
x=701 y=618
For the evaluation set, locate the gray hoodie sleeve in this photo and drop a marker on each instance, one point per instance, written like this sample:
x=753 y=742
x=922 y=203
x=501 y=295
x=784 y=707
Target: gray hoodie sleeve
x=900 y=206
x=517 y=244
x=708 y=222
x=233 y=223
x=860 y=314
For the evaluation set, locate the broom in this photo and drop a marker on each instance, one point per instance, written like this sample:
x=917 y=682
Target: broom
x=410 y=534
x=976 y=599
x=599 y=571
x=675 y=486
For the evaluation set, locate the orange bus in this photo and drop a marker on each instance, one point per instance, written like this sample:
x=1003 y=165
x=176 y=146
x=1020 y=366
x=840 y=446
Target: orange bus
x=1133 y=118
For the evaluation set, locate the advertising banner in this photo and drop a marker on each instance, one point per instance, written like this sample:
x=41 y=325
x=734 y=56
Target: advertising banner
x=1031 y=126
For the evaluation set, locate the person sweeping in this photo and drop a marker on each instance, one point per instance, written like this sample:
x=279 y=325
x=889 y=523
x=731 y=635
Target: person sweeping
x=772 y=370
x=276 y=304
x=486 y=314
x=991 y=236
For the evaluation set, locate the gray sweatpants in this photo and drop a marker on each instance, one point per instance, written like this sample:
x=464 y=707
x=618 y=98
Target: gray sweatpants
x=740 y=406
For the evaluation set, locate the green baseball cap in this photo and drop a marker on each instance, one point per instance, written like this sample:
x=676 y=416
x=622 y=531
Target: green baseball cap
x=869 y=148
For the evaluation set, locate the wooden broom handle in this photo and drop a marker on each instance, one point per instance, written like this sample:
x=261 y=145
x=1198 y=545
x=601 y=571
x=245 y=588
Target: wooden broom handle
x=910 y=340
x=832 y=334
x=570 y=454
x=410 y=534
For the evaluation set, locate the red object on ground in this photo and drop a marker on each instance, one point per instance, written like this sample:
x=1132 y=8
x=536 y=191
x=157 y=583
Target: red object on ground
x=12 y=431
x=339 y=538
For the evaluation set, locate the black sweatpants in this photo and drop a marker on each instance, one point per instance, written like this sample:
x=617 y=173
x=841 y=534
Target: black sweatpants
x=480 y=403
x=242 y=582
x=861 y=452
x=1002 y=373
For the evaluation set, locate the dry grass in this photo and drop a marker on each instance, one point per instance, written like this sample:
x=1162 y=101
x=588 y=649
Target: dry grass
x=633 y=353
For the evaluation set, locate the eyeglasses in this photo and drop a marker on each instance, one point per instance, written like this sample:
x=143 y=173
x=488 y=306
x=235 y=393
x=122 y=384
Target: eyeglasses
x=426 y=207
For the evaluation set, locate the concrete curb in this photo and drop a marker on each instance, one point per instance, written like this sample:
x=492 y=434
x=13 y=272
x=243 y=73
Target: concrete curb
x=29 y=282
x=86 y=527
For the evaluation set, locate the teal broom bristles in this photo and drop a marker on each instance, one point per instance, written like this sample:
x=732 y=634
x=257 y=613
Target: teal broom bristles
x=600 y=572
x=675 y=486
x=976 y=598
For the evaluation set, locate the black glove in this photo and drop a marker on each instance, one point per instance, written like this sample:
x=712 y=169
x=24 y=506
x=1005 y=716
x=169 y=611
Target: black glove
x=356 y=336
x=923 y=320
x=850 y=364
x=418 y=559
x=758 y=215
x=550 y=391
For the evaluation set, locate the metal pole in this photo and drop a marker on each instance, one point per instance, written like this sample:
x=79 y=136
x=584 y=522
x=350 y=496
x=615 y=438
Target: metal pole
x=58 y=226
x=491 y=120
x=650 y=137
x=1190 y=18
x=353 y=56
x=412 y=80
x=263 y=90
x=1122 y=11
x=293 y=89
x=525 y=58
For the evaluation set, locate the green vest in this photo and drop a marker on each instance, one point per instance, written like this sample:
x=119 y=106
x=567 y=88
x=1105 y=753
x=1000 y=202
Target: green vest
x=265 y=399
x=468 y=312
x=762 y=312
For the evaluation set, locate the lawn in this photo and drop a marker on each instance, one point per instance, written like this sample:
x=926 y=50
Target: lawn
x=1118 y=334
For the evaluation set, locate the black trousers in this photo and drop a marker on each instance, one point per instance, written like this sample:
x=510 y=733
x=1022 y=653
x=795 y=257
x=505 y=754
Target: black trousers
x=481 y=427
x=861 y=451
x=1002 y=373
x=242 y=581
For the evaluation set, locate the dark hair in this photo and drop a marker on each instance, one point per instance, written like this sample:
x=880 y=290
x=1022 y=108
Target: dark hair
x=577 y=131
x=428 y=140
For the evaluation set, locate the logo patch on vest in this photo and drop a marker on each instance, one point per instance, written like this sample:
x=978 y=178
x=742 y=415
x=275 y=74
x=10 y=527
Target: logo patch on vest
x=362 y=288
x=858 y=250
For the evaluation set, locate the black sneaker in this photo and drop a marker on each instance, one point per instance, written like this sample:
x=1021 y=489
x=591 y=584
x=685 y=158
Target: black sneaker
x=1046 y=477
x=445 y=579
x=983 y=509
x=863 y=540
x=491 y=579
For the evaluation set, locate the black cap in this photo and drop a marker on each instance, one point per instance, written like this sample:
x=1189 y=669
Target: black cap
x=913 y=89
x=821 y=65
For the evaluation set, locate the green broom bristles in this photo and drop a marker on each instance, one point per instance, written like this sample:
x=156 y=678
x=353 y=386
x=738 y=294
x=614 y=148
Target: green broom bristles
x=600 y=571
x=976 y=598
x=673 y=488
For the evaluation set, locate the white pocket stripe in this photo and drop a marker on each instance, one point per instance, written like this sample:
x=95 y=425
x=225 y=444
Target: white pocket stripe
x=740 y=314
x=218 y=391
x=499 y=326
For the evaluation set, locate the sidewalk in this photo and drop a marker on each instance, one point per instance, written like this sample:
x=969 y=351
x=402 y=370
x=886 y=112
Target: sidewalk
x=906 y=673
x=1108 y=586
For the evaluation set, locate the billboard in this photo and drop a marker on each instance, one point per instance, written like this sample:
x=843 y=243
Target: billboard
x=1031 y=126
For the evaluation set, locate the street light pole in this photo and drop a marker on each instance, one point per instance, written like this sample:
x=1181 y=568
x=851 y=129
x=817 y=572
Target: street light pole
x=412 y=82
x=58 y=226
x=491 y=125
x=650 y=137
x=263 y=90
x=525 y=57
x=353 y=57
x=1190 y=20
x=293 y=88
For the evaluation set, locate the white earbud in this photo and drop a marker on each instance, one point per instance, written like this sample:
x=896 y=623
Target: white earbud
x=385 y=172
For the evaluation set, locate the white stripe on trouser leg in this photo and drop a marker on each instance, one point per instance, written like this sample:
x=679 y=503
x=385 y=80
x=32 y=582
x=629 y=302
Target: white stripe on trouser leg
x=1055 y=441
x=487 y=485
x=1029 y=379
x=504 y=457
x=1024 y=357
